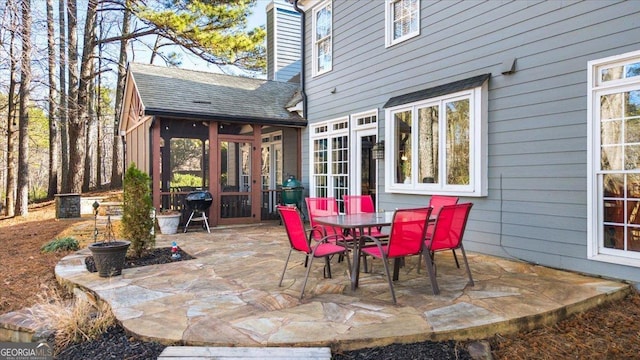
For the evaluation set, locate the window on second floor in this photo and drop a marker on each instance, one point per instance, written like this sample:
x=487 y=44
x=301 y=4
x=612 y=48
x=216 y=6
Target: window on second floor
x=402 y=20
x=322 y=38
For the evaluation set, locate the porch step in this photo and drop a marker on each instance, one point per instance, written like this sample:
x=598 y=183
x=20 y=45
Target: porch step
x=20 y=326
x=231 y=353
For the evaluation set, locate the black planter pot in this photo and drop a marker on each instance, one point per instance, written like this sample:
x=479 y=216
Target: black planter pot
x=109 y=257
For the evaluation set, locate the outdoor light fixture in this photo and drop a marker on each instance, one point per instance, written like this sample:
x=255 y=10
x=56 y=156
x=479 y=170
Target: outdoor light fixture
x=378 y=150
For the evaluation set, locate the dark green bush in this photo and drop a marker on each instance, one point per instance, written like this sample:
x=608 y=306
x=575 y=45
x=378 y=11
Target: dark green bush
x=60 y=244
x=136 y=211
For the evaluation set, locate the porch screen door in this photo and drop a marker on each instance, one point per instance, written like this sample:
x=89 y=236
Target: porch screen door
x=235 y=181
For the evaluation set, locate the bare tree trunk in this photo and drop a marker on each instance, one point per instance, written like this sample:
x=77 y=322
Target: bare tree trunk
x=75 y=126
x=98 y=142
x=54 y=136
x=22 y=203
x=11 y=120
x=64 y=132
x=78 y=128
x=117 y=163
x=99 y=145
x=90 y=159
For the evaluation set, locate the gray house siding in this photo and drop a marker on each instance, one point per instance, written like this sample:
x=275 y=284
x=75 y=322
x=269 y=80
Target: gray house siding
x=270 y=45
x=536 y=208
x=283 y=41
x=290 y=153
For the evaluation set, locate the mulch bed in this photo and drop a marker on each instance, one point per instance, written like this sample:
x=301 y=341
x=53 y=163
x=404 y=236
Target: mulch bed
x=112 y=344
x=152 y=257
x=444 y=350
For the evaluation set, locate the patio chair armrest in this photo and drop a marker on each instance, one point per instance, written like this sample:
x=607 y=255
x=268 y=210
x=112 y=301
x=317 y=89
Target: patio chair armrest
x=325 y=239
x=319 y=229
x=376 y=241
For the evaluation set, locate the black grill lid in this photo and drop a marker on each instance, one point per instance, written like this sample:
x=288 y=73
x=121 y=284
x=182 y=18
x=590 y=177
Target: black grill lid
x=199 y=200
x=199 y=196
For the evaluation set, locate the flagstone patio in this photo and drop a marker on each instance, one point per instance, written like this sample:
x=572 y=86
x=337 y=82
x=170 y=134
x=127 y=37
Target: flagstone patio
x=229 y=296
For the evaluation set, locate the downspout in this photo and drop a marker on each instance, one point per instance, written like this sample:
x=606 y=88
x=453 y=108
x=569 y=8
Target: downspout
x=302 y=50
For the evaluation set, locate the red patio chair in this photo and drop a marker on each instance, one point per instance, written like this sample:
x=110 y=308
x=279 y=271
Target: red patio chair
x=300 y=240
x=406 y=238
x=437 y=202
x=448 y=231
x=356 y=204
x=325 y=207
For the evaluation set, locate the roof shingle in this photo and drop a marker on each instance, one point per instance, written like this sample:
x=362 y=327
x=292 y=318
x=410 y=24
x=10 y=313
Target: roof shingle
x=436 y=91
x=203 y=95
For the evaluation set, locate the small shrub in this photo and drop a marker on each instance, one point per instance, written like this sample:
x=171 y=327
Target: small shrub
x=61 y=244
x=136 y=209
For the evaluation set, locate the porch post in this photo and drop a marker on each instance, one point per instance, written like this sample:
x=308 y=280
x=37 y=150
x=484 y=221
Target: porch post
x=155 y=163
x=214 y=173
x=256 y=173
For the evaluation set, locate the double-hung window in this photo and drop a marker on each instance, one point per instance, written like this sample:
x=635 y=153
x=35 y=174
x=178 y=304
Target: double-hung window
x=614 y=161
x=322 y=38
x=437 y=145
x=402 y=20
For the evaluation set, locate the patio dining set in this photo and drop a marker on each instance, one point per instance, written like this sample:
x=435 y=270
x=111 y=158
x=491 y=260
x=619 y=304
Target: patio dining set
x=363 y=232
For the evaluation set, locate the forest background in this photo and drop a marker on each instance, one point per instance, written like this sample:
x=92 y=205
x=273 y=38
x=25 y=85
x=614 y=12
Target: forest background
x=62 y=73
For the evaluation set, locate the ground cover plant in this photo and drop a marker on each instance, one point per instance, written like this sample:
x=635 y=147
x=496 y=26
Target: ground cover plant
x=61 y=244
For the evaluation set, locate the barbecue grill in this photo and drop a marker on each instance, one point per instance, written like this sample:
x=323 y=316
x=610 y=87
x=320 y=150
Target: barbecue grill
x=198 y=202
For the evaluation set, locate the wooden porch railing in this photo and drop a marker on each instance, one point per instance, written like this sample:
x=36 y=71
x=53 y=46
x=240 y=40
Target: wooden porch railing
x=230 y=207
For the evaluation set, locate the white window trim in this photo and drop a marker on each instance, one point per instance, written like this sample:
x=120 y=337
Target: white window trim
x=388 y=15
x=478 y=185
x=355 y=129
x=594 y=213
x=271 y=142
x=354 y=117
x=330 y=133
x=314 y=61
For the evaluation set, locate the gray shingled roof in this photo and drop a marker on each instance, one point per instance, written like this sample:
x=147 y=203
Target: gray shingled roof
x=208 y=96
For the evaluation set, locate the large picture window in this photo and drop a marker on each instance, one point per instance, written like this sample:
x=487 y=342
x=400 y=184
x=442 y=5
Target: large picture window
x=438 y=145
x=322 y=39
x=402 y=20
x=614 y=116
